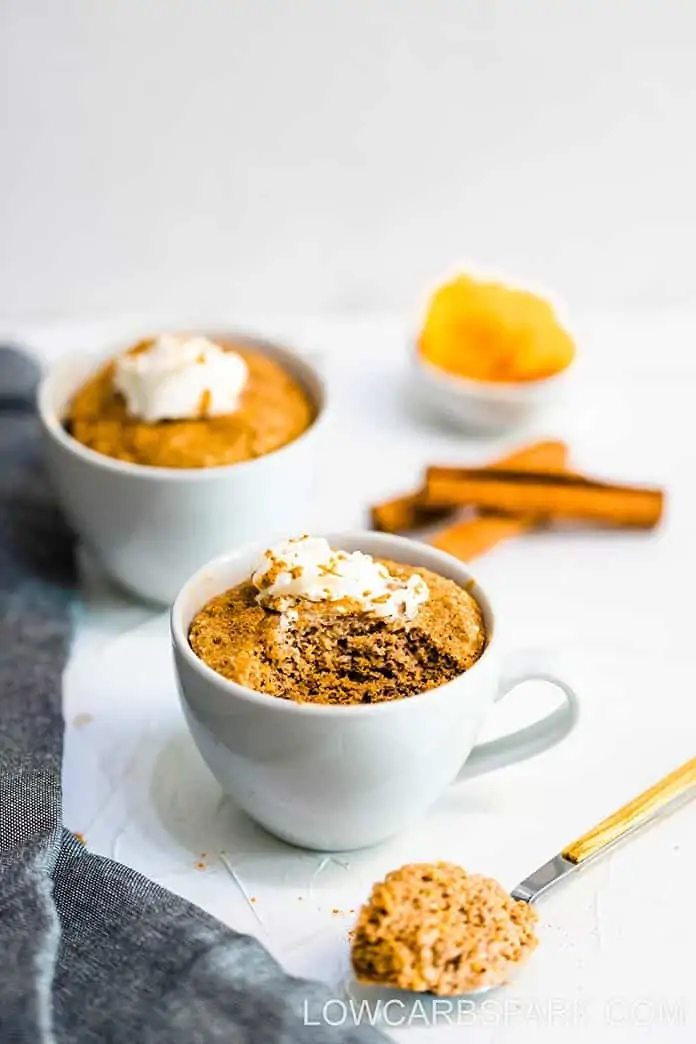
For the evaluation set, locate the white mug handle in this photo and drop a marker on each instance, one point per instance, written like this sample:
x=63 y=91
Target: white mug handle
x=526 y=665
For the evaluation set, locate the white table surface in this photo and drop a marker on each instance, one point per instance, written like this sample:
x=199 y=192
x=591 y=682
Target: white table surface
x=616 y=960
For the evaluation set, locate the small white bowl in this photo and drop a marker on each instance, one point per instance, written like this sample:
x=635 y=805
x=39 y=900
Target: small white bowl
x=151 y=527
x=484 y=406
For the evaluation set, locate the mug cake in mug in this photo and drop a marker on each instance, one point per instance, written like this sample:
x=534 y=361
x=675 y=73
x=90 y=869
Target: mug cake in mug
x=178 y=446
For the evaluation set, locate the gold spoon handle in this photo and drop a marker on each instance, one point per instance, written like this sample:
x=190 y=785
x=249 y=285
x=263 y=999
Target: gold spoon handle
x=679 y=786
x=634 y=814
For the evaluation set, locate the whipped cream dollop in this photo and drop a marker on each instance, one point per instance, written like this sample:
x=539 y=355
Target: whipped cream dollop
x=179 y=377
x=308 y=569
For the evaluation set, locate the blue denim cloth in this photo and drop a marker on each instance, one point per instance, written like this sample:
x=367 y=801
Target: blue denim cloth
x=91 y=951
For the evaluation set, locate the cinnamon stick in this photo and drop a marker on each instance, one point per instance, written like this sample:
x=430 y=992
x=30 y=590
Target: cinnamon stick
x=413 y=512
x=475 y=536
x=540 y=494
x=403 y=514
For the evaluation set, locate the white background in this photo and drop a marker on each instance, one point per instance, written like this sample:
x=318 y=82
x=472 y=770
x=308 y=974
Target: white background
x=255 y=157
x=299 y=155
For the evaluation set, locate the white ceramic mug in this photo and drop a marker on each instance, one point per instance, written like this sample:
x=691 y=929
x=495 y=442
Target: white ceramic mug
x=151 y=527
x=336 y=778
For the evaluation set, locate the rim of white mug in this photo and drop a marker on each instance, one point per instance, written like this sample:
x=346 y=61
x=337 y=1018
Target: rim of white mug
x=209 y=571
x=53 y=424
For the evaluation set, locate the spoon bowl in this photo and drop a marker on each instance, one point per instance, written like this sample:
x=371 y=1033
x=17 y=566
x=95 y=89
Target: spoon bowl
x=663 y=797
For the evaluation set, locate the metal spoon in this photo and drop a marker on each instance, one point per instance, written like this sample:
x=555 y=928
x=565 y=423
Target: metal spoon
x=671 y=792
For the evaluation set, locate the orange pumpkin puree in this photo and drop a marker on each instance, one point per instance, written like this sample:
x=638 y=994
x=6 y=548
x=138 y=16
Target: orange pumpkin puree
x=490 y=332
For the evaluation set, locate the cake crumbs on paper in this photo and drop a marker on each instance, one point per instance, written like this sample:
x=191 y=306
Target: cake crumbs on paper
x=81 y=720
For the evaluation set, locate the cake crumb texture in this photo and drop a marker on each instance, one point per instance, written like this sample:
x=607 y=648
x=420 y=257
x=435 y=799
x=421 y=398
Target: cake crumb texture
x=324 y=655
x=433 y=927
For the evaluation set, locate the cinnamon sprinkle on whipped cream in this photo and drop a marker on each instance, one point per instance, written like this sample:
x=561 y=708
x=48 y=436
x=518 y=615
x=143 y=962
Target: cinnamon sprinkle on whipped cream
x=308 y=569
